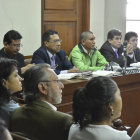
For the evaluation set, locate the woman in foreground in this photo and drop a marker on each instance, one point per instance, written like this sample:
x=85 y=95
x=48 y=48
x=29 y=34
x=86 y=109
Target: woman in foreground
x=95 y=106
x=10 y=83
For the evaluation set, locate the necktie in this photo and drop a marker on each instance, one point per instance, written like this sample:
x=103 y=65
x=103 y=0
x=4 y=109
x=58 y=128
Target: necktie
x=116 y=52
x=53 y=62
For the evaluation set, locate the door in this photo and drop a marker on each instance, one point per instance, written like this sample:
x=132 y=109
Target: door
x=68 y=17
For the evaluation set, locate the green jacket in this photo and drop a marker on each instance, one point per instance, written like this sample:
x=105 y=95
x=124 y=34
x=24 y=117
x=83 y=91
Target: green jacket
x=80 y=59
x=39 y=121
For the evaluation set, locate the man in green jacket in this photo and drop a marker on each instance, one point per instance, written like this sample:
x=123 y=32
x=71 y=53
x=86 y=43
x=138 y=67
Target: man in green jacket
x=85 y=56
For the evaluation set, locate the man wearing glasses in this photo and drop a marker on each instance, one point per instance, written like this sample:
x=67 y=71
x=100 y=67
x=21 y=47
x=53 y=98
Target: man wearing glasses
x=51 y=53
x=39 y=118
x=113 y=51
x=11 y=49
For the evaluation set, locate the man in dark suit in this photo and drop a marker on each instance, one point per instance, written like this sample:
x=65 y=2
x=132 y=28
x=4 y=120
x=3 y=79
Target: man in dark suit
x=38 y=119
x=112 y=49
x=132 y=38
x=51 y=53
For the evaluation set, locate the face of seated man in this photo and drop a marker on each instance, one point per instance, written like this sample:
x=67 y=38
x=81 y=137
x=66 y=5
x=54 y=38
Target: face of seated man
x=13 y=48
x=133 y=41
x=53 y=45
x=115 y=42
x=52 y=88
x=89 y=42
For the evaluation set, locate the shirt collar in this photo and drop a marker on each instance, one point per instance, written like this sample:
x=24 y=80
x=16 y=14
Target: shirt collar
x=52 y=106
x=114 y=49
x=50 y=55
x=86 y=50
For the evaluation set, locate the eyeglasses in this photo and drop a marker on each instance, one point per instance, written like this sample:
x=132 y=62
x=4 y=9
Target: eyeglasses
x=56 y=41
x=16 y=45
x=57 y=81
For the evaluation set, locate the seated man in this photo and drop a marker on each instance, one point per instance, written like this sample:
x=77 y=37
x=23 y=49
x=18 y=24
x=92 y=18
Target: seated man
x=51 y=53
x=132 y=38
x=38 y=119
x=85 y=56
x=112 y=49
x=11 y=49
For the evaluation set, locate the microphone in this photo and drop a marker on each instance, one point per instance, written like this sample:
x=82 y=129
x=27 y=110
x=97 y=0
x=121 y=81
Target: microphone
x=125 y=56
x=124 y=47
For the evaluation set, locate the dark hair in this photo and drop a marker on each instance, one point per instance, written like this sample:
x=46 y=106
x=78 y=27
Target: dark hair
x=112 y=33
x=90 y=103
x=32 y=77
x=46 y=35
x=11 y=35
x=84 y=35
x=7 y=67
x=128 y=35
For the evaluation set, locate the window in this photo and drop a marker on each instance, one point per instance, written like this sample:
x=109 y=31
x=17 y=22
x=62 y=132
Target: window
x=133 y=17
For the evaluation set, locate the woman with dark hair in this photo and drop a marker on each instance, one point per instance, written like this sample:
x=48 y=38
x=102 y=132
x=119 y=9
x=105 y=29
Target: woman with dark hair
x=95 y=106
x=10 y=83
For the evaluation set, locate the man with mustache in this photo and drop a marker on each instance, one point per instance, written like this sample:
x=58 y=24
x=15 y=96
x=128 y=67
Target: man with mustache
x=51 y=54
x=85 y=55
x=39 y=118
x=12 y=45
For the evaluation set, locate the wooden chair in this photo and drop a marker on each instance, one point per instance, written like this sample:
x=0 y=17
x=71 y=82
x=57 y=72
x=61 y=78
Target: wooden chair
x=27 y=59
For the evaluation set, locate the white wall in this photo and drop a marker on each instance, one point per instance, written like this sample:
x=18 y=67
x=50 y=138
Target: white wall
x=106 y=15
x=115 y=15
x=97 y=8
x=25 y=17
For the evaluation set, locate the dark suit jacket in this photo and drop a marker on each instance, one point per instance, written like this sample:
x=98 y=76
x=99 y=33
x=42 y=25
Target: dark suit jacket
x=41 y=56
x=107 y=51
x=39 y=121
x=18 y=57
x=137 y=54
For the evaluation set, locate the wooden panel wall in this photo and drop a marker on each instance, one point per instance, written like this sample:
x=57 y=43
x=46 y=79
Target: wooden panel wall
x=68 y=18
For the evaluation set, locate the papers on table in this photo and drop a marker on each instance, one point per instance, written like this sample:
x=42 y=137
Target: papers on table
x=81 y=75
x=103 y=73
x=135 y=64
x=67 y=76
x=85 y=75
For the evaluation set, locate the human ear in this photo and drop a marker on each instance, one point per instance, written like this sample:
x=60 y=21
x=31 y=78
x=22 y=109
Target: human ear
x=42 y=88
x=46 y=43
x=5 y=44
x=5 y=83
x=110 y=41
x=83 y=42
x=111 y=109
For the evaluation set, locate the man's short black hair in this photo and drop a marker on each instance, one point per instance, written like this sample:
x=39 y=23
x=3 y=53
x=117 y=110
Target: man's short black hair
x=112 y=33
x=47 y=34
x=84 y=35
x=11 y=35
x=128 y=35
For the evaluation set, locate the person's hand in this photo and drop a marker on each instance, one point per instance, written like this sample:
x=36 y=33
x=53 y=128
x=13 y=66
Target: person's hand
x=23 y=69
x=73 y=70
x=129 y=48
